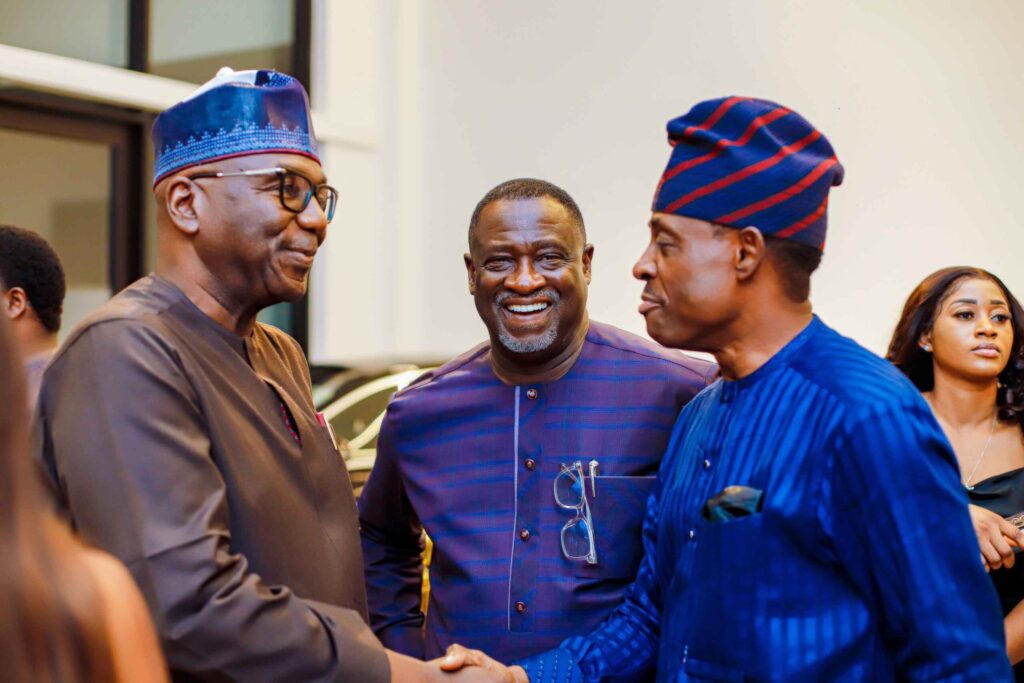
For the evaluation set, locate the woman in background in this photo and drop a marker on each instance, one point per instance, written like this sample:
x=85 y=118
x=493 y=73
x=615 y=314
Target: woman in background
x=960 y=341
x=67 y=613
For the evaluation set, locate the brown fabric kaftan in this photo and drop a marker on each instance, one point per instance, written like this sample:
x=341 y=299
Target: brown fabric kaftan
x=163 y=433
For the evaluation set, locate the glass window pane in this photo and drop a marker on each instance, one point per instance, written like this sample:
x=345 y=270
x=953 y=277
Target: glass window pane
x=93 y=30
x=191 y=39
x=60 y=188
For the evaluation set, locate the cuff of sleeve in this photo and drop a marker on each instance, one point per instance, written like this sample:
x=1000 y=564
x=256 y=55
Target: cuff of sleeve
x=553 y=666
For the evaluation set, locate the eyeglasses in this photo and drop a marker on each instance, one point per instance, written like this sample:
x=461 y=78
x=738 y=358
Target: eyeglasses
x=294 y=190
x=578 y=533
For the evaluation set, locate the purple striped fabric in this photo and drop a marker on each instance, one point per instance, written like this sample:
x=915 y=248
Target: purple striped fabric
x=473 y=461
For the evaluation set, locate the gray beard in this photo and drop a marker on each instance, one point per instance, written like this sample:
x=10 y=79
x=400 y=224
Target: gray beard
x=538 y=343
x=531 y=346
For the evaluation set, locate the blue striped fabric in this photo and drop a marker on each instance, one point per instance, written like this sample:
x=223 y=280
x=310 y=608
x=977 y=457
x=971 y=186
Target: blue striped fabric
x=862 y=565
x=473 y=461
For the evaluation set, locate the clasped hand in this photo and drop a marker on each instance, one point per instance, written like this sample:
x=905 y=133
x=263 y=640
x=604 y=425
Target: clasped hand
x=459 y=665
x=473 y=665
x=997 y=538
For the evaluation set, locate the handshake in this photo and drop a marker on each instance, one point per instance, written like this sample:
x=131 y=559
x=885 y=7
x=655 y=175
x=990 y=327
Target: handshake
x=459 y=665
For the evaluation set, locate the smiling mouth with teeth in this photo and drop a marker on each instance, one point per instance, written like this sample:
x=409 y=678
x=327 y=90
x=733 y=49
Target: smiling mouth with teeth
x=526 y=308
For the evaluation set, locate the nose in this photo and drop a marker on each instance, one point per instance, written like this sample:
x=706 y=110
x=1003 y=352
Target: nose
x=314 y=219
x=644 y=268
x=985 y=328
x=524 y=279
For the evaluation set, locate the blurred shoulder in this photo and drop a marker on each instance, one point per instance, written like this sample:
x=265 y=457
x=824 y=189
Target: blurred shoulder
x=470 y=365
x=133 y=642
x=135 y=314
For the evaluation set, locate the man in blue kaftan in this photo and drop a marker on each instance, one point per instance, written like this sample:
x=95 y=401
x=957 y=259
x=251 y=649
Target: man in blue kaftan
x=808 y=523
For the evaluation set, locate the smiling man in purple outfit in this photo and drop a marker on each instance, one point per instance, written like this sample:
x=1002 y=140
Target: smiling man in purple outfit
x=470 y=452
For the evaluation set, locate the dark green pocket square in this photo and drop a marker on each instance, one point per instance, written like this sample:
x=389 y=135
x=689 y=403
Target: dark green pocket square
x=733 y=502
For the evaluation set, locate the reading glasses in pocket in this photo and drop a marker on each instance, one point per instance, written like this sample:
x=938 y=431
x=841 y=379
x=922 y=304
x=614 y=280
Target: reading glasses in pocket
x=577 y=536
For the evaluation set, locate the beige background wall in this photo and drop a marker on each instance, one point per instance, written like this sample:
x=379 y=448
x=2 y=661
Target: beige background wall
x=60 y=191
x=921 y=99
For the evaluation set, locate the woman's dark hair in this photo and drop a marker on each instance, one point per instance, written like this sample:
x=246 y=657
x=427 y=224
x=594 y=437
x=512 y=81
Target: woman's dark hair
x=919 y=315
x=52 y=624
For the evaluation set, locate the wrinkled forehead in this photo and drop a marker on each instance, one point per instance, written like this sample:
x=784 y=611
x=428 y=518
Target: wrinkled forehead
x=296 y=163
x=526 y=223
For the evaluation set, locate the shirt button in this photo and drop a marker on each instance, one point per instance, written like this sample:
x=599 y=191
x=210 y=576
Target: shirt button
x=530 y=464
x=707 y=464
x=520 y=607
x=531 y=394
x=524 y=534
x=691 y=534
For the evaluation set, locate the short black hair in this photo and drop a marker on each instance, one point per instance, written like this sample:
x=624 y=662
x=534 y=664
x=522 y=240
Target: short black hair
x=794 y=262
x=528 y=188
x=28 y=261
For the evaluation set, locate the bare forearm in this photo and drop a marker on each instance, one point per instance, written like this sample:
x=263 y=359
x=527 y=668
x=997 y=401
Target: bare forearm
x=405 y=668
x=1014 y=625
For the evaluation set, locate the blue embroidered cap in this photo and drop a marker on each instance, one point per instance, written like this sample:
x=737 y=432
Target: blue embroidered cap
x=234 y=114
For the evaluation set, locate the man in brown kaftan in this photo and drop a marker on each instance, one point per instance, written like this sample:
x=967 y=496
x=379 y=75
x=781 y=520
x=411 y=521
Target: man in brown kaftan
x=180 y=433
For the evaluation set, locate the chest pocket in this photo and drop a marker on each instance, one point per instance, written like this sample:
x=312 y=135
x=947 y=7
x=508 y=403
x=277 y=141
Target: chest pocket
x=618 y=514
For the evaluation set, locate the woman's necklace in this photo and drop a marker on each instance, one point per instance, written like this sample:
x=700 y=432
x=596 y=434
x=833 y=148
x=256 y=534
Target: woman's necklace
x=981 y=456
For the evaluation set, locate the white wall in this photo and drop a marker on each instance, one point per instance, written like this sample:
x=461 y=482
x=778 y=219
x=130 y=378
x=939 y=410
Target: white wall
x=921 y=100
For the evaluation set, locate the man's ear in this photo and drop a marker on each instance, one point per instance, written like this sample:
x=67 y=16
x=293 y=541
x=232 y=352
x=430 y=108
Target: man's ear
x=15 y=303
x=750 y=251
x=470 y=272
x=588 y=257
x=183 y=200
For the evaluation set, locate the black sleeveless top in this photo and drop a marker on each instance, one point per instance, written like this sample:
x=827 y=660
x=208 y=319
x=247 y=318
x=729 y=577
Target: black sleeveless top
x=1003 y=494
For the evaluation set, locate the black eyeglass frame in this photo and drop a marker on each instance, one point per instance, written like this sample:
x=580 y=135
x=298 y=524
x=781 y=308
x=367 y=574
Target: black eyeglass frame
x=582 y=511
x=282 y=173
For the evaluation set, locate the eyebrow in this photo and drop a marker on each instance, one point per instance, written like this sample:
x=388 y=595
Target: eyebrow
x=498 y=245
x=660 y=227
x=993 y=302
x=321 y=181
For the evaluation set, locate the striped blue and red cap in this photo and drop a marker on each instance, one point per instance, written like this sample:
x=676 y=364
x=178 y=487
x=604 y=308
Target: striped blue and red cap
x=738 y=161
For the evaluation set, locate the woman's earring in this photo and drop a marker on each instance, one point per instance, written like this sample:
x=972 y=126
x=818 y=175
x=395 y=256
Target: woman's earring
x=927 y=348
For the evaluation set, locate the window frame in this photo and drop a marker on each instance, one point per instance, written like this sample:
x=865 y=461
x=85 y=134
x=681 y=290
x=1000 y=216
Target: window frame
x=127 y=131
